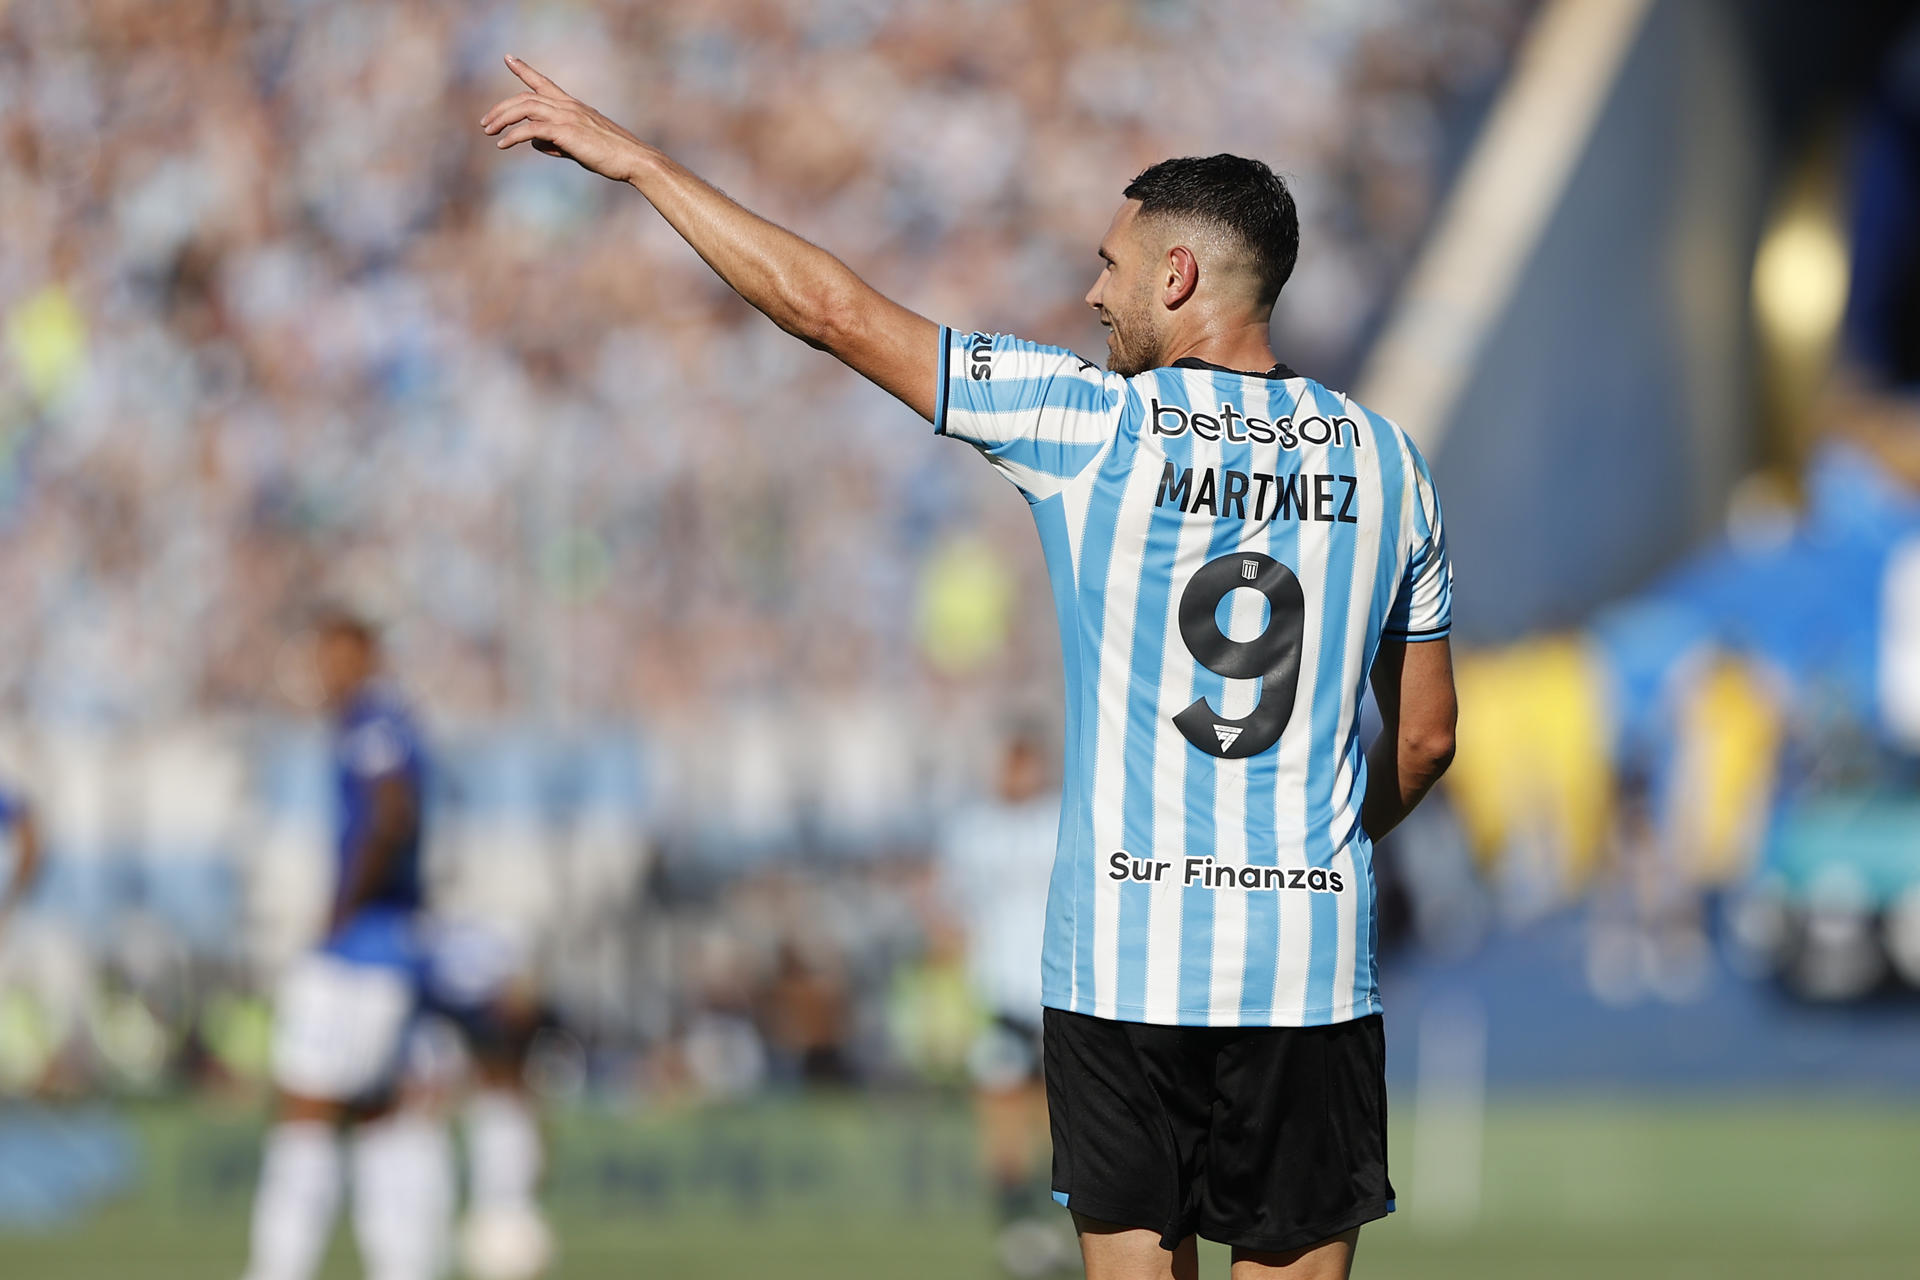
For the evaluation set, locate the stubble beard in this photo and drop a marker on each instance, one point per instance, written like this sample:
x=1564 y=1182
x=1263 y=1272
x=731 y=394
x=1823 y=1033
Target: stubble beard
x=1131 y=347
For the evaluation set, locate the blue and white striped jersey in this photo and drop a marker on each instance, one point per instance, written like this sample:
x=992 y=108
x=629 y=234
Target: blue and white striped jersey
x=1226 y=551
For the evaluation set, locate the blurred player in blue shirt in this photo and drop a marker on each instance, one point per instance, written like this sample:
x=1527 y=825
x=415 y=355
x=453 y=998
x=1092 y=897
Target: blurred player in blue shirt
x=379 y=772
x=344 y=1010
x=19 y=851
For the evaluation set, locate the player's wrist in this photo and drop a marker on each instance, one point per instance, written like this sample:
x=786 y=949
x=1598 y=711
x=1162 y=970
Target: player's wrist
x=643 y=164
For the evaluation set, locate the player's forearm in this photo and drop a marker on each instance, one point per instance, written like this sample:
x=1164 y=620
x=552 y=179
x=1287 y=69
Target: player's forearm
x=1401 y=769
x=373 y=864
x=372 y=868
x=800 y=286
x=26 y=867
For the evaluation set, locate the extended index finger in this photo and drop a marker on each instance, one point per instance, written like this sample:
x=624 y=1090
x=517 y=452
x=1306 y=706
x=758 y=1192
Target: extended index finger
x=531 y=78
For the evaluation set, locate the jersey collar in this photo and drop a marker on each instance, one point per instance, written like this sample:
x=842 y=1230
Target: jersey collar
x=1279 y=372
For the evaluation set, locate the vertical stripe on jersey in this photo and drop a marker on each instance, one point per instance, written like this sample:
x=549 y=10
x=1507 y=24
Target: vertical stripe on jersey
x=1056 y=956
x=1122 y=778
x=1105 y=646
x=1209 y=812
x=1261 y=952
x=1170 y=949
x=1333 y=687
x=1151 y=623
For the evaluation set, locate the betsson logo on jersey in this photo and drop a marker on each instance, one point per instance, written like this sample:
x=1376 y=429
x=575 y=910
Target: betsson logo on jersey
x=1205 y=873
x=1172 y=420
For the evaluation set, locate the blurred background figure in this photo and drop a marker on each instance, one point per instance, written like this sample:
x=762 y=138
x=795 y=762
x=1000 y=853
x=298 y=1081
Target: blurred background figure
x=25 y=1044
x=21 y=841
x=481 y=980
x=343 y=1010
x=995 y=861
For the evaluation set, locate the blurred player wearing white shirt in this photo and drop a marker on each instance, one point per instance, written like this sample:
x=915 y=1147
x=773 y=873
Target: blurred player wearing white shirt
x=996 y=860
x=480 y=978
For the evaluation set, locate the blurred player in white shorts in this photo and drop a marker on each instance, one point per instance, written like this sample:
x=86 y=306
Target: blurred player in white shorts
x=996 y=859
x=344 y=1009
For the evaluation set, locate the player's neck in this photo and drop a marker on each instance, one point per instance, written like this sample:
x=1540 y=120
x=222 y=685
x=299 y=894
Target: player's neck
x=1245 y=348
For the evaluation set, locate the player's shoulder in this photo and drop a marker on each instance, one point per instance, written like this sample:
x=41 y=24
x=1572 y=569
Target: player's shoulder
x=378 y=732
x=1385 y=432
x=1387 y=428
x=381 y=704
x=985 y=356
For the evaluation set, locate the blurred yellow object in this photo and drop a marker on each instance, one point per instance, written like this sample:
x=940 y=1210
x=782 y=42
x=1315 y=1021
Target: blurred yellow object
x=1531 y=757
x=1730 y=729
x=966 y=603
x=1800 y=278
x=27 y=1042
x=238 y=1031
x=47 y=338
x=934 y=1016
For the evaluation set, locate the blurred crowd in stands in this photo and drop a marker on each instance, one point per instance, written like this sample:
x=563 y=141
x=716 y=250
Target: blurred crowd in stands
x=277 y=324
x=277 y=318
x=711 y=636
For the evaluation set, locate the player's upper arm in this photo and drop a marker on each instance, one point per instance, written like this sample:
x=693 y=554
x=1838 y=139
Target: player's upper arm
x=889 y=345
x=1413 y=686
x=1040 y=414
x=1423 y=605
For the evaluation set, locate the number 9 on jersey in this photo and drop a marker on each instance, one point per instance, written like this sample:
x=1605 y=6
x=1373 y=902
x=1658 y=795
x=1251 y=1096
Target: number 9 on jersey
x=1272 y=657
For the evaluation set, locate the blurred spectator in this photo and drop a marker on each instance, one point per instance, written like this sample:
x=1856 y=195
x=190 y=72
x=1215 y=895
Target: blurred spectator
x=268 y=303
x=275 y=320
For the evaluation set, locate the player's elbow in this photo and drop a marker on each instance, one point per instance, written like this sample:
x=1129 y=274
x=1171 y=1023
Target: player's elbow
x=1429 y=749
x=833 y=319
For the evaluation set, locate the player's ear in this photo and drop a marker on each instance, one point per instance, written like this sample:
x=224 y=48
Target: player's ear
x=1182 y=276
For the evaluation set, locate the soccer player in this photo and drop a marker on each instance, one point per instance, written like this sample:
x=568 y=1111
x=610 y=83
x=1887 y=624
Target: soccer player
x=343 y=1010
x=17 y=829
x=993 y=862
x=1234 y=549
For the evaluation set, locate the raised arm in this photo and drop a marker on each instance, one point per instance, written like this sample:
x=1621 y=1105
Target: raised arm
x=1413 y=684
x=800 y=286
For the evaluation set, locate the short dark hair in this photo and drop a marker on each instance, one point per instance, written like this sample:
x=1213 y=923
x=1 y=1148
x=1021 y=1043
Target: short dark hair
x=331 y=618
x=1242 y=195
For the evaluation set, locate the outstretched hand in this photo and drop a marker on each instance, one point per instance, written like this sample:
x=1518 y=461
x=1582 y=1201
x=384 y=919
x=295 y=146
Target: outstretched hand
x=561 y=125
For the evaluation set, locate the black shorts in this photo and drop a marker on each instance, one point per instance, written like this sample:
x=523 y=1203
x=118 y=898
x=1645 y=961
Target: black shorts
x=1268 y=1138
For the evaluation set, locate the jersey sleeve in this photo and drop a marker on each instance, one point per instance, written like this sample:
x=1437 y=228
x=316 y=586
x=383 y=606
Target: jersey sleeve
x=1040 y=415
x=378 y=747
x=1423 y=609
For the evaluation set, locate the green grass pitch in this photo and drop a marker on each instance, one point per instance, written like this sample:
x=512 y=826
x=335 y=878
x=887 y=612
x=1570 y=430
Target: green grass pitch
x=885 y=1187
